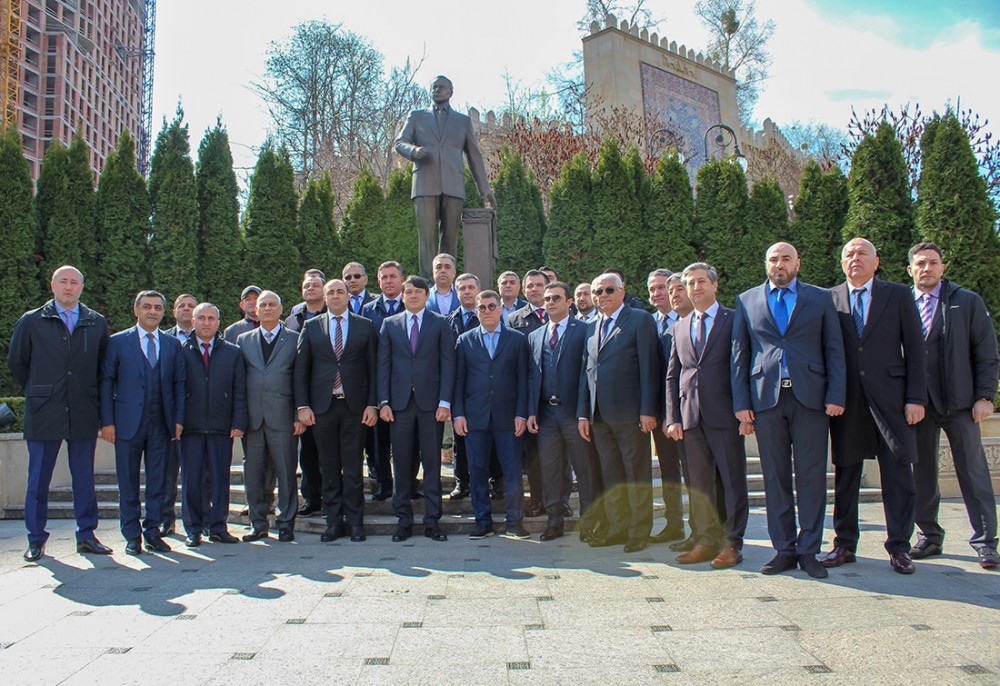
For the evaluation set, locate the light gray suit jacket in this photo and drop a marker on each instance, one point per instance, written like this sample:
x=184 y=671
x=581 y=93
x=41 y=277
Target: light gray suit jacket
x=270 y=397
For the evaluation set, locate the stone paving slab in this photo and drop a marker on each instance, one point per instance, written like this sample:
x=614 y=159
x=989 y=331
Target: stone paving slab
x=488 y=612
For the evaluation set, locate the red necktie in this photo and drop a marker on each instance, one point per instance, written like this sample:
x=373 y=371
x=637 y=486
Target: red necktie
x=541 y=314
x=554 y=338
x=204 y=355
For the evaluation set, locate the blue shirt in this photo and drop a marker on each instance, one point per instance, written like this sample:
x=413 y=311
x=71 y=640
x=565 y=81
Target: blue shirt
x=866 y=297
x=74 y=314
x=790 y=296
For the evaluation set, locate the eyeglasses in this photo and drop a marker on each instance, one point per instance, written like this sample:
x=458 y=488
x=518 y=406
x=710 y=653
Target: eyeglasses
x=552 y=298
x=351 y=277
x=607 y=289
x=487 y=307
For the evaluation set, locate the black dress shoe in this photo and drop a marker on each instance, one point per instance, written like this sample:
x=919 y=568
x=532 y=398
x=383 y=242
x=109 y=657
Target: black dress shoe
x=813 y=567
x=358 y=534
x=459 y=493
x=435 y=534
x=684 y=546
x=167 y=529
x=552 y=533
x=192 y=540
x=606 y=541
x=401 y=534
x=255 y=535
x=925 y=548
x=382 y=494
x=93 y=546
x=671 y=532
x=534 y=510
x=286 y=535
x=308 y=509
x=901 y=563
x=223 y=537
x=134 y=547
x=779 y=563
x=636 y=544
x=157 y=544
x=837 y=557
x=481 y=532
x=34 y=552
x=565 y=510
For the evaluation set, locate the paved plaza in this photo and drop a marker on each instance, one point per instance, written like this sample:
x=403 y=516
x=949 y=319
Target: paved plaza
x=495 y=611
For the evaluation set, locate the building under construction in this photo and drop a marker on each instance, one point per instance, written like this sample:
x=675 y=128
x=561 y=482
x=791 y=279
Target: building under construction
x=78 y=67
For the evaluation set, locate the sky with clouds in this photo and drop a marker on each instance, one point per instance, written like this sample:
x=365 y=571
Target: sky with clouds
x=828 y=55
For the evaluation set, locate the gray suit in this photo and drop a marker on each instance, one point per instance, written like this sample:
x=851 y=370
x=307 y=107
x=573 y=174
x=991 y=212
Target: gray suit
x=271 y=410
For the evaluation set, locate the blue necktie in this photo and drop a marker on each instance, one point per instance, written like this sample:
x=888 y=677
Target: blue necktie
x=858 y=310
x=151 y=349
x=491 y=343
x=781 y=311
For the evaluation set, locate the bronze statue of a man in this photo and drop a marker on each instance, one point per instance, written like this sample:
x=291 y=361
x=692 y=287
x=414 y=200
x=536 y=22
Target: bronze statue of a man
x=435 y=140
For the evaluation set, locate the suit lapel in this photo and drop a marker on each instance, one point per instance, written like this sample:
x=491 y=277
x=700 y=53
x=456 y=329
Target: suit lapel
x=256 y=352
x=760 y=295
x=876 y=305
x=842 y=303
x=720 y=315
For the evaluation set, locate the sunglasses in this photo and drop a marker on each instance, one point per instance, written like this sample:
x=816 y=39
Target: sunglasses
x=351 y=277
x=552 y=298
x=607 y=289
x=491 y=307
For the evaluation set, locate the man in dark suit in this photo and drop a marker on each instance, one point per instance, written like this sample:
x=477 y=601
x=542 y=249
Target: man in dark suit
x=630 y=300
x=215 y=413
x=886 y=397
x=962 y=370
x=55 y=355
x=269 y=357
x=416 y=363
x=389 y=302
x=617 y=408
x=584 y=301
x=248 y=304
x=183 y=312
x=788 y=379
x=509 y=288
x=356 y=278
x=700 y=358
x=436 y=140
x=554 y=385
x=444 y=298
x=142 y=412
x=491 y=399
x=313 y=302
x=335 y=368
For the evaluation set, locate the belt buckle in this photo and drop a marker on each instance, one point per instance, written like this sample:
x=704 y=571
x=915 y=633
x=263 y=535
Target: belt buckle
x=554 y=400
x=786 y=383
x=338 y=396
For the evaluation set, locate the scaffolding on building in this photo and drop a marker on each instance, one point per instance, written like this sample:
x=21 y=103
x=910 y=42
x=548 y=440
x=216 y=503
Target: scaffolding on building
x=10 y=49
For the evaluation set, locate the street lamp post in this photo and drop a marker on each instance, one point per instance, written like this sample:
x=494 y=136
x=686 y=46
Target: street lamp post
x=720 y=141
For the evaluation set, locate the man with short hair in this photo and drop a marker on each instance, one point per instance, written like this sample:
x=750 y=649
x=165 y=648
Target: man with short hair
x=356 y=278
x=215 y=414
x=630 y=300
x=55 y=356
x=509 y=286
x=313 y=303
x=788 y=379
x=444 y=299
x=142 y=412
x=617 y=409
x=269 y=357
x=700 y=360
x=585 y=310
x=335 y=392
x=491 y=403
x=248 y=304
x=416 y=362
x=962 y=371
x=183 y=312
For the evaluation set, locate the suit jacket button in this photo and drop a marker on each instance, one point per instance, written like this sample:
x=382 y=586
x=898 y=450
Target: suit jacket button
x=861 y=373
x=861 y=348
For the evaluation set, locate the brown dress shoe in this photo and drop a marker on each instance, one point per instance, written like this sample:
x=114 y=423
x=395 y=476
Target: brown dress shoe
x=729 y=557
x=901 y=562
x=700 y=553
x=838 y=556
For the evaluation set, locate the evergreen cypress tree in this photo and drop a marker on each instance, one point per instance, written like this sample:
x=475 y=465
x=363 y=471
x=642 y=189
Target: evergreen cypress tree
x=362 y=223
x=618 y=192
x=66 y=211
x=670 y=216
x=400 y=224
x=123 y=233
x=567 y=242
x=720 y=214
x=270 y=226
x=520 y=217
x=766 y=224
x=881 y=208
x=818 y=229
x=320 y=241
x=19 y=289
x=220 y=242
x=954 y=210
x=173 y=198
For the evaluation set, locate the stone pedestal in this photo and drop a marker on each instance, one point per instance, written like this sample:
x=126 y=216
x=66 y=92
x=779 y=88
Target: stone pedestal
x=479 y=244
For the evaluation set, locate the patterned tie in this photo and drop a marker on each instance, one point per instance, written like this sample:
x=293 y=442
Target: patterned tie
x=926 y=312
x=540 y=313
x=554 y=338
x=414 y=330
x=858 y=311
x=702 y=328
x=205 y=347
x=338 y=349
x=664 y=323
x=151 y=349
x=781 y=311
x=605 y=328
x=67 y=317
x=268 y=336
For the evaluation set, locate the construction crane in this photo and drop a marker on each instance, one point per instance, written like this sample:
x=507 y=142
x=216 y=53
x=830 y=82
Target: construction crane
x=148 y=53
x=10 y=49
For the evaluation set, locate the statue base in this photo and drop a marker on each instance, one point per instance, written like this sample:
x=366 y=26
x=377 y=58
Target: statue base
x=479 y=244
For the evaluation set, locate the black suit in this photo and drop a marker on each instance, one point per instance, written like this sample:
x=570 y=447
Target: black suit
x=711 y=432
x=885 y=371
x=312 y=482
x=962 y=366
x=377 y=443
x=669 y=453
x=618 y=384
x=338 y=430
x=174 y=459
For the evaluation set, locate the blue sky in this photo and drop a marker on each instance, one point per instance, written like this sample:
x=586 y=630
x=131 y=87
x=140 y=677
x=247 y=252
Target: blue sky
x=828 y=55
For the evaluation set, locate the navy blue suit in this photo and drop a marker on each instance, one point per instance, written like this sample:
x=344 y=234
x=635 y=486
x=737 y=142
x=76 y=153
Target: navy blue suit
x=144 y=403
x=453 y=304
x=490 y=394
x=554 y=383
x=669 y=453
x=414 y=384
